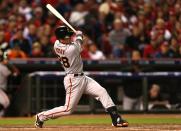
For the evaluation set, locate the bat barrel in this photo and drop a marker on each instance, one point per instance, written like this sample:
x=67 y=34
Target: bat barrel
x=58 y=15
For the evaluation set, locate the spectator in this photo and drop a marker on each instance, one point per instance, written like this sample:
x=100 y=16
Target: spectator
x=5 y=72
x=51 y=20
x=172 y=20
x=22 y=42
x=164 y=51
x=2 y=23
x=95 y=54
x=160 y=29
x=107 y=7
x=31 y=33
x=174 y=48
x=11 y=27
x=16 y=51
x=150 y=19
x=20 y=20
x=94 y=22
x=152 y=49
x=133 y=42
x=119 y=13
x=37 y=50
x=25 y=10
x=85 y=52
x=47 y=30
x=155 y=98
x=133 y=89
x=177 y=28
x=105 y=45
x=136 y=55
x=179 y=52
x=117 y=38
x=46 y=46
x=77 y=16
x=38 y=16
x=40 y=32
x=64 y=8
x=85 y=48
x=179 y=39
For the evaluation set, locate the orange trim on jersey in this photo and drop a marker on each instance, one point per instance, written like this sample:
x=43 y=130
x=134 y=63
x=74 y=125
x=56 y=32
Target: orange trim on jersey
x=66 y=110
x=69 y=93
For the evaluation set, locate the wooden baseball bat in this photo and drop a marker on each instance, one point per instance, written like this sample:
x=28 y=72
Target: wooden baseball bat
x=58 y=15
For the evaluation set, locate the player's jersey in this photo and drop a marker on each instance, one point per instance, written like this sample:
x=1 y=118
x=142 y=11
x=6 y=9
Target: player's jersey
x=69 y=56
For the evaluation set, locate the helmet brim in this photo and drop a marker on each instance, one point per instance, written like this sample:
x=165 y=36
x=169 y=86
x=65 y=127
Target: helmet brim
x=65 y=35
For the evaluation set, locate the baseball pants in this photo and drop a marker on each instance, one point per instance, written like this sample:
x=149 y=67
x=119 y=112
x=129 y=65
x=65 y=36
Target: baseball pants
x=75 y=87
x=4 y=99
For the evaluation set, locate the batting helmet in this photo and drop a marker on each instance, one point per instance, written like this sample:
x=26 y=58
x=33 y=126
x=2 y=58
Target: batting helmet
x=62 y=32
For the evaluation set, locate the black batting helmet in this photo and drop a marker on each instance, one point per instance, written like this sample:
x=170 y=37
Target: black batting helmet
x=62 y=32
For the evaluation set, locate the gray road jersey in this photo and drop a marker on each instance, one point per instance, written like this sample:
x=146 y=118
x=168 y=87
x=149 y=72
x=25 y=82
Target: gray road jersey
x=69 y=56
x=4 y=73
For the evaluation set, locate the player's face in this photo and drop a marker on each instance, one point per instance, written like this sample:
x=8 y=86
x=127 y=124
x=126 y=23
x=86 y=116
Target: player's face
x=66 y=40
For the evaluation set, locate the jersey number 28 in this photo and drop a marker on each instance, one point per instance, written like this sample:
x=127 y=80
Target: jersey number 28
x=64 y=61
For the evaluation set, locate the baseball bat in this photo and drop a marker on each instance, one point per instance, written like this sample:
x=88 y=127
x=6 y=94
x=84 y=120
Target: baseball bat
x=58 y=15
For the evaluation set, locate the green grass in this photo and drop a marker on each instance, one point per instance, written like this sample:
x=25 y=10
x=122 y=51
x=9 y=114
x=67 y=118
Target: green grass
x=82 y=120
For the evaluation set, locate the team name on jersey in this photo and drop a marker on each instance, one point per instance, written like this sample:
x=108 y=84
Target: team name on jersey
x=60 y=51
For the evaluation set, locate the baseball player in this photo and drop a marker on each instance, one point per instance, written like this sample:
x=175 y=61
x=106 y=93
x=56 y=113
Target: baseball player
x=5 y=71
x=76 y=82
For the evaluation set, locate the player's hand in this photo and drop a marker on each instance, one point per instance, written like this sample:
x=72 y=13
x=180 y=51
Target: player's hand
x=79 y=36
x=78 y=33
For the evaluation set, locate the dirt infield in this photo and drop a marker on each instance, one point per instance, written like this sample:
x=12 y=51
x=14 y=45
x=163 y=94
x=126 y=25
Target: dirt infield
x=97 y=128
x=101 y=127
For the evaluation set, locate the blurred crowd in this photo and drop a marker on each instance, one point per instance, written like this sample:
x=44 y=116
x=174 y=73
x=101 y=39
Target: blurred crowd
x=112 y=28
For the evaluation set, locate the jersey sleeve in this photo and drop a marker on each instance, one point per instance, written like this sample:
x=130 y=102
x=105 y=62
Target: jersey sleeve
x=79 y=40
x=56 y=47
x=78 y=45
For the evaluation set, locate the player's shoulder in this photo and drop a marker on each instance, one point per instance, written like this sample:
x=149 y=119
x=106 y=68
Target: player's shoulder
x=58 y=44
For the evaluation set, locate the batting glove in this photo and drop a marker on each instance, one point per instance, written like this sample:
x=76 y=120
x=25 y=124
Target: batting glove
x=78 y=33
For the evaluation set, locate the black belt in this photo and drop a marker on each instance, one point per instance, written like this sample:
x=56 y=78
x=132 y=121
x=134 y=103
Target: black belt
x=77 y=74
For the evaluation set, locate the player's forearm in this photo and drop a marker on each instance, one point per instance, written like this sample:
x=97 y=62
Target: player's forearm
x=79 y=41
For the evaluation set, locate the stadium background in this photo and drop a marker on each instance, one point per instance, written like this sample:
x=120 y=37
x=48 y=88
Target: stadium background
x=129 y=46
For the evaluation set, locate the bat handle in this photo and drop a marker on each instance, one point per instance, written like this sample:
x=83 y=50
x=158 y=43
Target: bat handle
x=71 y=28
